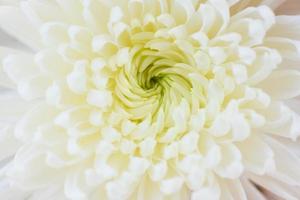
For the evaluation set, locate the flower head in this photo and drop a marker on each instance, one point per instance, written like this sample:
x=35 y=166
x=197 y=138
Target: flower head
x=150 y=99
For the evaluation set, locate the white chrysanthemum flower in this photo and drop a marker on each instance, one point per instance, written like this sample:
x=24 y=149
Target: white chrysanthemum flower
x=149 y=100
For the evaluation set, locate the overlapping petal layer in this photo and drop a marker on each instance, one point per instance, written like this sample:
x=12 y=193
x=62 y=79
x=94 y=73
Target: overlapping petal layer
x=144 y=99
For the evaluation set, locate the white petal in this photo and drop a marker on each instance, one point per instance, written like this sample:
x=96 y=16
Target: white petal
x=28 y=125
x=147 y=146
x=81 y=39
x=12 y=106
x=26 y=159
x=96 y=14
x=230 y=165
x=252 y=24
x=20 y=67
x=34 y=88
x=77 y=80
x=111 y=134
x=289 y=50
x=211 y=150
x=4 y=79
x=222 y=8
x=251 y=190
x=149 y=190
x=54 y=34
x=138 y=165
x=73 y=188
x=189 y=143
x=267 y=60
x=51 y=63
x=294 y=146
x=171 y=185
x=280 y=189
x=257 y=155
x=286 y=26
x=100 y=99
x=231 y=190
x=104 y=45
x=9 y=192
x=211 y=192
x=14 y=22
x=286 y=163
x=181 y=11
x=282 y=84
x=59 y=94
x=282 y=121
x=158 y=171
x=8 y=143
x=9 y=2
x=55 y=192
x=72 y=8
x=8 y=40
x=42 y=11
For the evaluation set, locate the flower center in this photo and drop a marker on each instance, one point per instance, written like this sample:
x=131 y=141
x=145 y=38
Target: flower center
x=153 y=80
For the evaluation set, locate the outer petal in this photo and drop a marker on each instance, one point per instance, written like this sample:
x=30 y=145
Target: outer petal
x=232 y=190
x=4 y=79
x=287 y=163
x=282 y=121
x=23 y=71
x=9 y=2
x=27 y=127
x=11 y=42
x=282 y=190
x=30 y=158
x=230 y=165
x=14 y=22
x=49 y=194
x=12 y=106
x=72 y=8
x=39 y=12
x=294 y=146
x=282 y=84
x=8 y=144
x=257 y=155
x=251 y=190
x=149 y=190
x=289 y=50
x=8 y=192
x=286 y=26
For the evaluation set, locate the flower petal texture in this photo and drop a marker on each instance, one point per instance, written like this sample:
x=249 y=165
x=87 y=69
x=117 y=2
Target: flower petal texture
x=149 y=100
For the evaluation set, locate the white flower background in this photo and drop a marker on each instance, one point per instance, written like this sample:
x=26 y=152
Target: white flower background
x=141 y=103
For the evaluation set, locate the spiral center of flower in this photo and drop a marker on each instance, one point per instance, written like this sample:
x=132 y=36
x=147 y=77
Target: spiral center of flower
x=153 y=80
